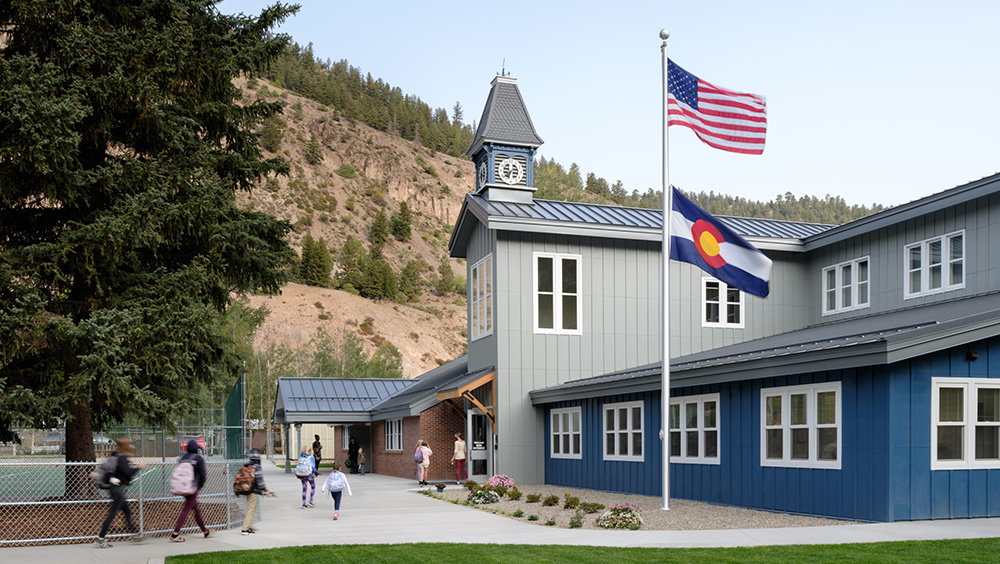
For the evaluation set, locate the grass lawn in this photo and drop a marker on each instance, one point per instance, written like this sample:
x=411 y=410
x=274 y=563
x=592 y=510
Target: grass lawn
x=975 y=551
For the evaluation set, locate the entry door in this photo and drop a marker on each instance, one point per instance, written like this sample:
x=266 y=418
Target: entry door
x=480 y=444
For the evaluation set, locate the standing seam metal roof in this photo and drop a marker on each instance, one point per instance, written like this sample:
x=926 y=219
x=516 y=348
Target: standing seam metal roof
x=337 y=394
x=505 y=118
x=598 y=214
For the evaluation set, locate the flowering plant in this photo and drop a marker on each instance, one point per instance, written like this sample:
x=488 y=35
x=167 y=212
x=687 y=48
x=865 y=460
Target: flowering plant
x=623 y=516
x=483 y=496
x=501 y=480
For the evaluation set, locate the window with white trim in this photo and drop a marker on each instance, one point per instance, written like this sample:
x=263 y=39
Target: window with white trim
x=934 y=265
x=846 y=286
x=623 y=437
x=801 y=426
x=345 y=436
x=394 y=434
x=481 y=299
x=566 y=437
x=694 y=429
x=557 y=293
x=723 y=304
x=965 y=423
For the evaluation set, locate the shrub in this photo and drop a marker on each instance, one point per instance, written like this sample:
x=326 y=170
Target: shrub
x=533 y=498
x=347 y=171
x=483 y=496
x=624 y=516
x=589 y=507
x=470 y=485
x=514 y=494
x=501 y=480
x=570 y=501
x=532 y=517
x=501 y=490
x=551 y=501
x=518 y=513
x=576 y=522
x=550 y=523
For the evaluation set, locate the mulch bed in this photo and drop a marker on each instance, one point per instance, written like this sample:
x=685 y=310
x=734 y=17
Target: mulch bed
x=80 y=522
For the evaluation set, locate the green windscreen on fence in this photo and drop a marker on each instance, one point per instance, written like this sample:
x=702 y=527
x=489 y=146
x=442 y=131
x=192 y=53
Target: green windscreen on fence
x=233 y=420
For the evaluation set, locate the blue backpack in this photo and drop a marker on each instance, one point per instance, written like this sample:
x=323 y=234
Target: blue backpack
x=336 y=483
x=304 y=467
x=418 y=455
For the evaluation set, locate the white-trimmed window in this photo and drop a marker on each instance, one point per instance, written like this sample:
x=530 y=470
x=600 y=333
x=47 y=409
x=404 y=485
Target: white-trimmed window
x=345 y=436
x=557 y=293
x=846 y=286
x=394 y=434
x=481 y=299
x=965 y=423
x=723 y=304
x=623 y=437
x=801 y=426
x=567 y=437
x=694 y=429
x=934 y=265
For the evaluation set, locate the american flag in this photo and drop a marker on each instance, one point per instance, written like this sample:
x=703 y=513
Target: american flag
x=727 y=120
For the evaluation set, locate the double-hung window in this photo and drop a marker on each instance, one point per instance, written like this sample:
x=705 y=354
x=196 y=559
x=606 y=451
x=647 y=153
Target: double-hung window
x=394 y=434
x=557 y=293
x=345 y=437
x=801 y=426
x=845 y=286
x=567 y=437
x=694 y=429
x=481 y=299
x=723 y=304
x=934 y=265
x=965 y=423
x=623 y=437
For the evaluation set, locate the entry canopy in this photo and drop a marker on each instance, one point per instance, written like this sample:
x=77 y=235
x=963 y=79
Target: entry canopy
x=332 y=400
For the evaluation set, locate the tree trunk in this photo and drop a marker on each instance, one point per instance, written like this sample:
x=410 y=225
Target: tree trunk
x=79 y=448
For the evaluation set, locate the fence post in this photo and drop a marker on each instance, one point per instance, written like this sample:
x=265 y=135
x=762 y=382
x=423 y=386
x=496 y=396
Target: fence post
x=142 y=502
x=229 y=497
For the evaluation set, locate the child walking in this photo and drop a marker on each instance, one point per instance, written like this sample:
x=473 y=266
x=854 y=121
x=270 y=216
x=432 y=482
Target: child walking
x=336 y=483
x=305 y=470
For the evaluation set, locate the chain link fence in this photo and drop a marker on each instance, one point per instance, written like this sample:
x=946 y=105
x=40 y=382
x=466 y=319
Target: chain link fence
x=57 y=502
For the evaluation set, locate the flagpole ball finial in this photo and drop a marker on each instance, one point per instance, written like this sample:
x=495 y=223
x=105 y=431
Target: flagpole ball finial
x=664 y=34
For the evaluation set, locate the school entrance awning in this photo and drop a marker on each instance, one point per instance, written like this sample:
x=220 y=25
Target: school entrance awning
x=478 y=387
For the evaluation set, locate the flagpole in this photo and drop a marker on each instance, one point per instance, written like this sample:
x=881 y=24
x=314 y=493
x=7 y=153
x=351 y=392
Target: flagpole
x=665 y=323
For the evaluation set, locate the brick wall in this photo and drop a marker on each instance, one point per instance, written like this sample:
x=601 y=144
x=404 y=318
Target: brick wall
x=437 y=426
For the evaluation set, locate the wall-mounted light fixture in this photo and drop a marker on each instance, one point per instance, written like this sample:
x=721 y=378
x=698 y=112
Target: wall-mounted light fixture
x=971 y=356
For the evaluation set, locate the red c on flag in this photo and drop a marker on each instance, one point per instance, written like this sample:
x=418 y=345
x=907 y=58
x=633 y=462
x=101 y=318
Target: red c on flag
x=707 y=239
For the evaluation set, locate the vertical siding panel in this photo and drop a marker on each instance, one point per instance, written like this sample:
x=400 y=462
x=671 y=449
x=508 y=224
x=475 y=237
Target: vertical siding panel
x=958 y=489
x=993 y=492
x=921 y=487
x=900 y=410
x=880 y=433
x=978 y=494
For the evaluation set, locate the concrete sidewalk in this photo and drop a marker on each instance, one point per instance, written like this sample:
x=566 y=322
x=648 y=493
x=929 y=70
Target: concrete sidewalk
x=383 y=510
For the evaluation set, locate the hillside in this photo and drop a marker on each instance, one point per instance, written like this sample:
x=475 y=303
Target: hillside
x=327 y=201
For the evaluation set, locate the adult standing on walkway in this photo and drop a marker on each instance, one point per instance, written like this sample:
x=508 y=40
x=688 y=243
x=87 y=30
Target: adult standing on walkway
x=317 y=452
x=425 y=461
x=352 y=454
x=119 y=479
x=458 y=459
x=191 y=501
x=259 y=488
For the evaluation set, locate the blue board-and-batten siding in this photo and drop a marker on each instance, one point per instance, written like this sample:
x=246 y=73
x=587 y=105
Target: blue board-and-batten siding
x=885 y=472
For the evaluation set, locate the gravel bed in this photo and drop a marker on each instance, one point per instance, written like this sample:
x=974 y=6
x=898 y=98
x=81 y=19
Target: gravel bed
x=684 y=515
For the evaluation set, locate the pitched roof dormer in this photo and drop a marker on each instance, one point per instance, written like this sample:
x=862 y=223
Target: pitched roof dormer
x=504 y=147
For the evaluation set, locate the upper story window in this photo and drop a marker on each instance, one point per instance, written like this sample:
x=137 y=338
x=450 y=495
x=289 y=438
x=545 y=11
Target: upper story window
x=965 y=423
x=845 y=286
x=623 y=437
x=935 y=265
x=694 y=429
x=481 y=299
x=723 y=304
x=567 y=437
x=801 y=426
x=394 y=434
x=557 y=293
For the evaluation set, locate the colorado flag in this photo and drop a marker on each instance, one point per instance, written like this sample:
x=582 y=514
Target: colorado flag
x=702 y=240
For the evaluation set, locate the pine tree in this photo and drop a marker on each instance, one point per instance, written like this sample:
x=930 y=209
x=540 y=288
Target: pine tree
x=446 y=281
x=313 y=152
x=316 y=263
x=378 y=233
x=124 y=144
x=379 y=279
x=401 y=223
x=410 y=280
x=352 y=264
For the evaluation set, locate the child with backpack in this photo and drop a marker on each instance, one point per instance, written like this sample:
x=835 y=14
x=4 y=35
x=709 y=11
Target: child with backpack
x=336 y=483
x=114 y=475
x=305 y=469
x=187 y=480
x=250 y=482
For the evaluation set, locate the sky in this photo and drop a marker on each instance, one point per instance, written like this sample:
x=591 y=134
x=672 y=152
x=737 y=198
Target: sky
x=873 y=101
